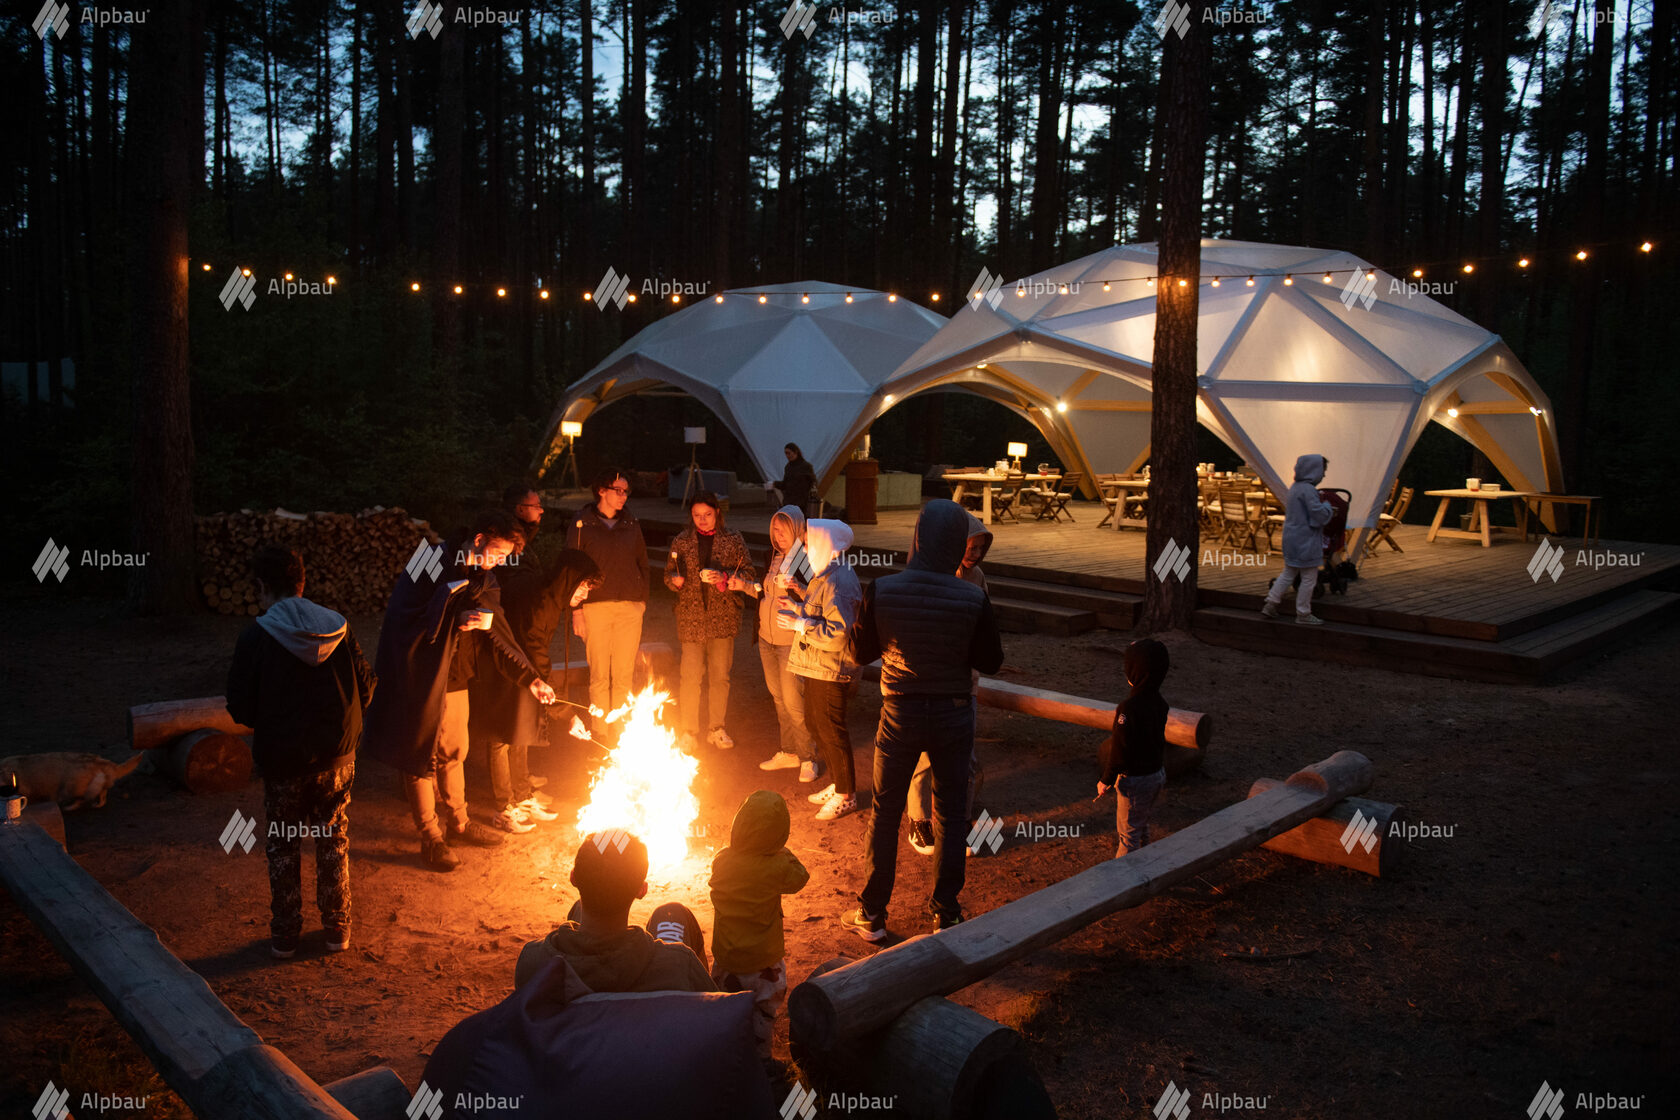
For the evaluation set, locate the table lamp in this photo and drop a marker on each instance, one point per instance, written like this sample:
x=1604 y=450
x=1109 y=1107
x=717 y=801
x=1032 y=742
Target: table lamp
x=1016 y=450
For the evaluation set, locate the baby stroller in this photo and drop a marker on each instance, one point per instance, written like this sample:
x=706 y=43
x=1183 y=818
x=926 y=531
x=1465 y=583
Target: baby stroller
x=1334 y=576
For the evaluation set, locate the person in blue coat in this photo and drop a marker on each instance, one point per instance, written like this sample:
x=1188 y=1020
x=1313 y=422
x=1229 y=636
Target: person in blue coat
x=1304 y=516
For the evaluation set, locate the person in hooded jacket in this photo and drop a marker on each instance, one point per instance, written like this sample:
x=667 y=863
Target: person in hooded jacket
x=300 y=682
x=1133 y=756
x=749 y=878
x=787 y=568
x=604 y=949
x=931 y=631
x=797 y=481
x=707 y=565
x=822 y=620
x=439 y=627
x=1304 y=516
x=505 y=714
x=919 y=805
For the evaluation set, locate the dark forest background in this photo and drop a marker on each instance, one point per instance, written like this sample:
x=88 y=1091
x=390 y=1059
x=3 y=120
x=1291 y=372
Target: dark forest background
x=901 y=146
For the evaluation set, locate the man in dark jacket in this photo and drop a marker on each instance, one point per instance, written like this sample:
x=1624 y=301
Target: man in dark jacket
x=798 y=480
x=931 y=631
x=300 y=682
x=610 y=623
x=439 y=624
x=1133 y=758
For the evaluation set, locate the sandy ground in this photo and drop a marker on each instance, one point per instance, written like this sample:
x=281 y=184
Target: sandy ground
x=1535 y=942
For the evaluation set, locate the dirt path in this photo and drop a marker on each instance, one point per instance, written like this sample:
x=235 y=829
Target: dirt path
x=1536 y=941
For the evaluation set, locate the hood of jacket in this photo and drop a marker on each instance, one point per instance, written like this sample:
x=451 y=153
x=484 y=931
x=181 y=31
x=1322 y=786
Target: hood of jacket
x=977 y=529
x=825 y=540
x=1146 y=666
x=611 y=963
x=793 y=518
x=941 y=535
x=306 y=630
x=761 y=824
x=1310 y=469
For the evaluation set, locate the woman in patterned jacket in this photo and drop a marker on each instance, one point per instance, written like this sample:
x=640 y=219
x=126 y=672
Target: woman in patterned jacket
x=708 y=564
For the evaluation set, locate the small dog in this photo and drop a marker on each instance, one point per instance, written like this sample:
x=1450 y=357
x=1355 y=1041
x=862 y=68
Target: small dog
x=71 y=778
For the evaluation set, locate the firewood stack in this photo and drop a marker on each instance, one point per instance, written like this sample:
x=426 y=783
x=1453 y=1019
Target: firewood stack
x=351 y=560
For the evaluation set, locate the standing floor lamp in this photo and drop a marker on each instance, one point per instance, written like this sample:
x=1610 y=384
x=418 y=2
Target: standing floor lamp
x=694 y=437
x=570 y=430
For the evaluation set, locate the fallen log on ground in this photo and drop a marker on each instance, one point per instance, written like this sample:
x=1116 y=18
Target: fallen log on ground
x=376 y=1093
x=208 y=761
x=220 y=1067
x=1188 y=733
x=1320 y=839
x=868 y=994
x=159 y=724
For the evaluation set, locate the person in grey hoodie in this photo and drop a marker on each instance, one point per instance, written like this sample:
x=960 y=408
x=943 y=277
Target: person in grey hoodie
x=300 y=682
x=788 y=568
x=822 y=620
x=1304 y=516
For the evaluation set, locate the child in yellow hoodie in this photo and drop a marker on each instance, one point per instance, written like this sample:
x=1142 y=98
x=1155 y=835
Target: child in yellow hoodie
x=749 y=879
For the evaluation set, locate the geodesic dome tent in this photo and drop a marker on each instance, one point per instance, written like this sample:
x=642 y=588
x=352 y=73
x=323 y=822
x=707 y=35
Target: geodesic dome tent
x=1287 y=363
x=797 y=366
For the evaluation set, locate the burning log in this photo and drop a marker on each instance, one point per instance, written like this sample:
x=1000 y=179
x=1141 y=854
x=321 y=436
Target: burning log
x=868 y=994
x=1321 y=838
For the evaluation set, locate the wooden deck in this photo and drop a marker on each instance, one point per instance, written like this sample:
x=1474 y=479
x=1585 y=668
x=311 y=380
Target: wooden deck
x=1450 y=607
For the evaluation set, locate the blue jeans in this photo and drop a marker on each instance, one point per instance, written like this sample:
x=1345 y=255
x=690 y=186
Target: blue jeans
x=1135 y=800
x=787 y=691
x=943 y=728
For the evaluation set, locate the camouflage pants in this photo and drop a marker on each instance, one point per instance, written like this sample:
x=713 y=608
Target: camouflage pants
x=315 y=805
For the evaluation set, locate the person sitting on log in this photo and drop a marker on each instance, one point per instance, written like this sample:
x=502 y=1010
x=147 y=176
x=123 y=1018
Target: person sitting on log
x=429 y=652
x=597 y=940
x=749 y=878
x=1132 y=756
x=931 y=630
x=300 y=682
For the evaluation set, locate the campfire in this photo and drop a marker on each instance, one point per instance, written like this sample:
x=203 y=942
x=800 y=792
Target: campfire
x=644 y=787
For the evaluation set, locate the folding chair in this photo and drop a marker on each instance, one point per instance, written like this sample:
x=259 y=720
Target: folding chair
x=1055 y=502
x=1387 y=521
x=1111 y=496
x=1003 y=499
x=1237 y=529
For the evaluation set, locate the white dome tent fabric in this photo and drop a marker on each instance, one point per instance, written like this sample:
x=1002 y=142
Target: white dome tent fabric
x=1286 y=363
x=798 y=367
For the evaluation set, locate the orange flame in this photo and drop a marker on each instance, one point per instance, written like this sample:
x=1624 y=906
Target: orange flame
x=644 y=786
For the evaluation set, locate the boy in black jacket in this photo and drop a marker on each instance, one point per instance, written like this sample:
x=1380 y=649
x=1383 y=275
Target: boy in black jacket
x=1133 y=755
x=299 y=680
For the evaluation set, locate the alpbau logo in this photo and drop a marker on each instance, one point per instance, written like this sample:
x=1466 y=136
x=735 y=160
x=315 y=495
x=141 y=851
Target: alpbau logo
x=426 y=17
x=1174 y=560
x=615 y=838
x=986 y=287
x=52 y=1104
x=1548 y=1102
x=799 y=17
x=239 y=288
x=427 y=560
x=51 y=562
x=1174 y=1102
x=53 y=17
x=1173 y=17
x=427 y=1102
x=1360 y=288
x=1546 y=561
x=801 y=1102
x=240 y=830
x=1361 y=831
x=611 y=289
x=798 y=562
x=986 y=833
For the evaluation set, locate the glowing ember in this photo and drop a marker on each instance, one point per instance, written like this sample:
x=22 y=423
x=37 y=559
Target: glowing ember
x=644 y=786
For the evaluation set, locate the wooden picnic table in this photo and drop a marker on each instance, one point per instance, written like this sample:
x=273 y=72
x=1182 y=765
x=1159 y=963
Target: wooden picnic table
x=984 y=481
x=1122 y=489
x=1481 y=528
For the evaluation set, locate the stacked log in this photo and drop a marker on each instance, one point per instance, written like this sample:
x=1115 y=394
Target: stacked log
x=351 y=560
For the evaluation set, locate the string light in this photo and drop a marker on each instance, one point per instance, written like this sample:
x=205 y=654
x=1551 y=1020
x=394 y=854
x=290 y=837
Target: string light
x=414 y=287
x=587 y=296
x=1105 y=285
x=934 y=297
x=1523 y=263
x=206 y=266
x=718 y=299
x=888 y=399
x=1469 y=268
x=1064 y=290
x=848 y=297
x=1251 y=281
x=1645 y=247
x=244 y=272
x=1151 y=281
x=542 y=293
x=1020 y=290
x=804 y=297
x=1370 y=275
x=1216 y=281
x=1183 y=283
x=676 y=297
x=1580 y=254
x=331 y=280
x=1327 y=278
x=892 y=297
x=631 y=297
x=501 y=293
x=288 y=276
x=1453 y=412
x=1417 y=274
x=1061 y=406
x=762 y=298
x=1288 y=281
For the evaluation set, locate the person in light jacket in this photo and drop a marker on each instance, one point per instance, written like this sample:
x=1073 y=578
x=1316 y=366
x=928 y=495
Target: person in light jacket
x=822 y=622
x=787 y=690
x=1304 y=517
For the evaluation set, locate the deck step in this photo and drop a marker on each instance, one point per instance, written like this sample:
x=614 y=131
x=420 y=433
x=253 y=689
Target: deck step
x=1022 y=616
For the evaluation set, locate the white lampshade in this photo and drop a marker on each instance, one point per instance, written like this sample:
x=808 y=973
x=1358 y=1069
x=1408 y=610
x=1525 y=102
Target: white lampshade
x=571 y=427
x=694 y=435
x=1016 y=450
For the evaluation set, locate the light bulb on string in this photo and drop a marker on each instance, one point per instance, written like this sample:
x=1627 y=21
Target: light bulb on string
x=1522 y=263
x=1327 y=278
x=631 y=297
x=1580 y=254
x=415 y=286
x=1251 y=281
x=717 y=299
x=1645 y=247
x=848 y=297
x=542 y=293
x=762 y=298
x=1469 y=268
x=1288 y=281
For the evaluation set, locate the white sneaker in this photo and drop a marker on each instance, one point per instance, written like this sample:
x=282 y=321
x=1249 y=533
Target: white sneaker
x=540 y=799
x=512 y=819
x=687 y=743
x=535 y=811
x=836 y=807
x=821 y=795
x=781 y=760
x=810 y=771
x=720 y=739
